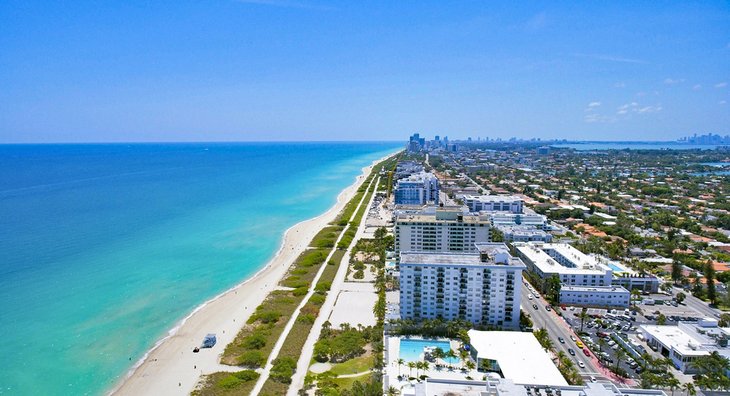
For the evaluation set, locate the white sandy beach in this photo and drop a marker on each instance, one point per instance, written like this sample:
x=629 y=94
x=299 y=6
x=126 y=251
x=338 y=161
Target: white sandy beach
x=172 y=368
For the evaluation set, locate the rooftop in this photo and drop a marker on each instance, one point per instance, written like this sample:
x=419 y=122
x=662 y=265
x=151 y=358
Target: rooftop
x=489 y=254
x=519 y=355
x=596 y=289
x=580 y=263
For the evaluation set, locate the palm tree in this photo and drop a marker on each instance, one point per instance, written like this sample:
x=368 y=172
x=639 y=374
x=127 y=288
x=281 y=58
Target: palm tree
x=470 y=365
x=561 y=356
x=400 y=362
x=451 y=355
x=601 y=343
x=392 y=391
x=620 y=354
x=438 y=353
x=425 y=366
x=583 y=315
x=411 y=366
x=464 y=356
x=672 y=383
x=690 y=388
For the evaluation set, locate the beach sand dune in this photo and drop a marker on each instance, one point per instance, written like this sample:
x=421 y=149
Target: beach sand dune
x=171 y=367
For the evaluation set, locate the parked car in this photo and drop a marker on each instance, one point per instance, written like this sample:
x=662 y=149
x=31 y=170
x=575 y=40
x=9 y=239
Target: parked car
x=586 y=352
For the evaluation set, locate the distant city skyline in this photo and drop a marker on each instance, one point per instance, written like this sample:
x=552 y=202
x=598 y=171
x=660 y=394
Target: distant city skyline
x=298 y=70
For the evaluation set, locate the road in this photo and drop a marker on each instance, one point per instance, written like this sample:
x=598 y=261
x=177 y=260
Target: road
x=557 y=327
x=698 y=305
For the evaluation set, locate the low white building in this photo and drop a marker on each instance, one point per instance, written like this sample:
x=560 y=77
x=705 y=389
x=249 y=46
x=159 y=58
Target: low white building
x=483 y=288
x=516 y=355
x=573 y=267
x=524 y=234
x=595 y=296
x=685 y=342
x=494 y=203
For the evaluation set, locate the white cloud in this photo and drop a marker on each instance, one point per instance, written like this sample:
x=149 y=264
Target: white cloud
x=697 y=87
x=594 y=118
x=620 y=84
x=594 y=104
x=672 y=81
x=721 y=85
x=635 y=108
x=722 y=102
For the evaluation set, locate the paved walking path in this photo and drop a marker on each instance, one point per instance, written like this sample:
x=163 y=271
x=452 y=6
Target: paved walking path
x=287 y=329
x=324 y=313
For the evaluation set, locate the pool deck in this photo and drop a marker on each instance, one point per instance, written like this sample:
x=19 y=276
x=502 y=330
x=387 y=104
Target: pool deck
x=392 y=353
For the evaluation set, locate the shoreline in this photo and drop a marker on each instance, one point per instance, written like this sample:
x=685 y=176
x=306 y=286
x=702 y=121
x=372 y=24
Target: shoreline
x=170 y=366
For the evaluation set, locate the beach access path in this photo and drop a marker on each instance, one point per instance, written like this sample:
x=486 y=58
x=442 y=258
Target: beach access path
x=171 y=367
x=324 y=313
x=280 y=342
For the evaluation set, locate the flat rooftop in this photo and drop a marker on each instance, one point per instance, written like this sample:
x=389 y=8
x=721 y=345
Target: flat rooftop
x=519 y=355
x=595 y=289
x=493 y=198
x=453 y=259
x=537 y=253
x=678 y=339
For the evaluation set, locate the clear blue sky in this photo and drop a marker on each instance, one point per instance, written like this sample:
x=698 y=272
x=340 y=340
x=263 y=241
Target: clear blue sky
x=315 y=70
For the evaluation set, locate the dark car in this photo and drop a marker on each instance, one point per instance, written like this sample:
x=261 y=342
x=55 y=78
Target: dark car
x=534 y=306
x=562 y=340
x=586 y=352
x=571 y=352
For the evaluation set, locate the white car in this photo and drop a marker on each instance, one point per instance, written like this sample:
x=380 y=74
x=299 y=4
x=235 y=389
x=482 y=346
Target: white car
x=529 y=296
x=581 y=365
x=593 y=379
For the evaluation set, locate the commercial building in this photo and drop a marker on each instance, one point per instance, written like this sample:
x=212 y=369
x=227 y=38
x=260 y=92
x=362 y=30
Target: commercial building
x=527 y=219
x=514 y=233
x=573 y=267
x=516 y=355
x=648 y=283
x=686 y=342
x=508 y=387
x=434 y=229
x=595 y=296
x=417 y=189
x=483 y=287
x=494 y=203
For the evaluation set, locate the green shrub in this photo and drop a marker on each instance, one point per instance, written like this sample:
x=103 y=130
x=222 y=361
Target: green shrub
x=266 y=316
x=306 y=318
x=254 y=341
x=300 y=291
x=284 y=368
x=359 y=274
x=323 y=287
x=233 y=380
x=317 y=299
x=251 y=359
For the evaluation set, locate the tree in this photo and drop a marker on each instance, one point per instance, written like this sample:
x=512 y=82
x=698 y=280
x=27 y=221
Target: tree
x=620 y=355
x=601 y=343
x=561 y=356
x=543 y=338
x=680 y=297
x=710 y=277
x=690 y=388
x=463 y=356
x=470 y=365
x=724 y=320
x=711 y=371
x=451 y=355
x=635 y=295
x=672 y=383
x=411 y=366
x=393 y=391
x=583 y=315
x=400 y=363
x=552 y=288
x=439 y=354
x=661 y=319
x=676 y=271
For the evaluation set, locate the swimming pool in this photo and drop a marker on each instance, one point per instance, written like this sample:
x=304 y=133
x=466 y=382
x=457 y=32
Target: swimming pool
x=411 y=350
x=616 y=268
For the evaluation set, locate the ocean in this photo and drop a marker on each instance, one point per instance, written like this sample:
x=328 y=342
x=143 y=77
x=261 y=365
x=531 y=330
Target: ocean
x=105 y=247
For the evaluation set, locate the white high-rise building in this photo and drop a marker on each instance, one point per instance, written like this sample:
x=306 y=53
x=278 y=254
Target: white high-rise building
x=434 y=230
x=573 y=267
x=417 y=189
x=482 y=287
x=494 y=203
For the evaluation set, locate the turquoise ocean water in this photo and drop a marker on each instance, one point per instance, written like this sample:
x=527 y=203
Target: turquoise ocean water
x=104 y=248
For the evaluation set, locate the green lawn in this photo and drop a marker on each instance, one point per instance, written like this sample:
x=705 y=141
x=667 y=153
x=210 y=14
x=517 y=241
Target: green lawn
x=354 y=365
